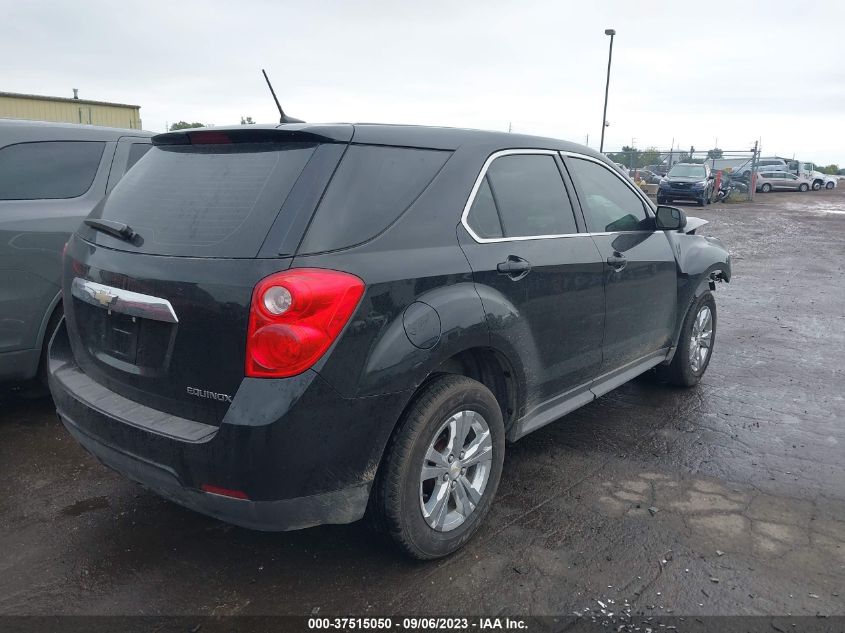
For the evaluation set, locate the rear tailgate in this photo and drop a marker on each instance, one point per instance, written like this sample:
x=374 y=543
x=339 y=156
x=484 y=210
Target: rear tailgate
x=162 y=318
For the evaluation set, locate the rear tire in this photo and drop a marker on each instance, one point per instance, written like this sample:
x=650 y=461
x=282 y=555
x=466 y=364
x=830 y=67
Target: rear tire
x=684 y=370
x=446 y=408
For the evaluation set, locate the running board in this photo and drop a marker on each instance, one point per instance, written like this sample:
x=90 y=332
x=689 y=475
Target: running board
x=559 y=406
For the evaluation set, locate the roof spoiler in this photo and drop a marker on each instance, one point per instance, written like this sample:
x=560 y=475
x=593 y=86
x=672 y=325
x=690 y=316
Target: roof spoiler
x=250 y=134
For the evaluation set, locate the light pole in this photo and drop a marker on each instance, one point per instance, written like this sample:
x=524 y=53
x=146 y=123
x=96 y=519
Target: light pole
x=611 y=33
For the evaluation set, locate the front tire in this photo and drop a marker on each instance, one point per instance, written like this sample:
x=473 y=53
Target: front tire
x=829 y=185
x=441 y=468
x=695 y=345
x=766 y=188
x=803 y=187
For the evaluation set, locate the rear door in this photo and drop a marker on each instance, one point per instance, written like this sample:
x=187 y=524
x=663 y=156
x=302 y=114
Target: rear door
x=527 y=250
x=161 y=318
x=46 y=188
x=640 y=274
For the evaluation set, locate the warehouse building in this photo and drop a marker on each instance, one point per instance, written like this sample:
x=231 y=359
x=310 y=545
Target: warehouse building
x=73 y=110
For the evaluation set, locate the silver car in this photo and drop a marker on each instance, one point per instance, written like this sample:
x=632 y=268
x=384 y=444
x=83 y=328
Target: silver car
x=771 y=180
x=51 y=177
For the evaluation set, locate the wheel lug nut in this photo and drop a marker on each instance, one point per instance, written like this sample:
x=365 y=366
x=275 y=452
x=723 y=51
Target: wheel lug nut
x=453 y=484
x=462 y=455
x=463 y=471
x=446 y=477
x=451 y=458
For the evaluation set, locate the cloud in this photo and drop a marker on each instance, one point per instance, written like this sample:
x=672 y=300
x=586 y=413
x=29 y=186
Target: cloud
x=680 y=71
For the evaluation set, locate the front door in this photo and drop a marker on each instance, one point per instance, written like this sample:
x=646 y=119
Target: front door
x=538 y=273
x=640 y=273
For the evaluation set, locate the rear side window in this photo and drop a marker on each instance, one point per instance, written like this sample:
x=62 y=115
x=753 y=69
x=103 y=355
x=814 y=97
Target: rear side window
x=609 y=204
x=372 y=187
x=204 y=200
x=136 y=151
x=483 y=216
x=527 y=197
x=48 y=170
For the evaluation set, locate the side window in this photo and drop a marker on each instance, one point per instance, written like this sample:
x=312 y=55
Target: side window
x=483 y=216
x=525 y=196
x=371 y=188
x=48 y=170
x=136 y=151
x=608 y=203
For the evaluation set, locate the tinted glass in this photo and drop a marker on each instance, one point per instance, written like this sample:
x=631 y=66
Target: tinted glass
x=483 y=217
x=204 y=200
x=688 y=171
x=608 y=203
x=136 y=151
x=372 y=187
x=48 y=170
x=530 y=195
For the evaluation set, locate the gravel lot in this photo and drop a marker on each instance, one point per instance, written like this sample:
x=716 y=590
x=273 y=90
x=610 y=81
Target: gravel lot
x=725 y=499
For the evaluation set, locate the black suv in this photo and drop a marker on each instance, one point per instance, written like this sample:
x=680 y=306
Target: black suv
x=287 y=326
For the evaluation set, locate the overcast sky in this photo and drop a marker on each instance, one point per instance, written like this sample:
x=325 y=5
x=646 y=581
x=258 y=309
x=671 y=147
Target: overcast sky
x=694 y=72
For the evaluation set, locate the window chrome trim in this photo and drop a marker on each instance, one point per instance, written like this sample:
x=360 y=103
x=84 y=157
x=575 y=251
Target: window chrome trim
x=545 y=152
x=477 y=185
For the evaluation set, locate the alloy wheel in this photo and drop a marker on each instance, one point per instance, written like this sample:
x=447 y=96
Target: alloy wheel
x=455 y=470
x=701 y=339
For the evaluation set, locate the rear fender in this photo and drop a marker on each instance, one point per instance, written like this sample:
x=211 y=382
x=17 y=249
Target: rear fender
x=437 y=325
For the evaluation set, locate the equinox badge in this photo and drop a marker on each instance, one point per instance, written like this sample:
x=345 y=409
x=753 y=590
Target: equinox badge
x=211 y=395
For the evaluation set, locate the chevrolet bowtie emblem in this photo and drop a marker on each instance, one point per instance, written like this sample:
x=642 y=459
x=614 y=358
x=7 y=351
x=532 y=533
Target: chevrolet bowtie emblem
x=104 y=298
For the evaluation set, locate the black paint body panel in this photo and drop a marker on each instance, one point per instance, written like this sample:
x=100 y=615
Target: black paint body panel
x=432 y=292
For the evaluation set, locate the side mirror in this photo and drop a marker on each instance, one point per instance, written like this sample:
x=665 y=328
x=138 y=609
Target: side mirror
x=670 y=219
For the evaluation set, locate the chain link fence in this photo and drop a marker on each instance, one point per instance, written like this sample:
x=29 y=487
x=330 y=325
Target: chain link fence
x=733 y=170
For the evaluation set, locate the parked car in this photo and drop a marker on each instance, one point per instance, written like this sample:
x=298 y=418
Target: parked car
x=687 y=181
x=768 y=164
x=283 y=326
x=51 y=176
x=773 y=180
x=646 y=175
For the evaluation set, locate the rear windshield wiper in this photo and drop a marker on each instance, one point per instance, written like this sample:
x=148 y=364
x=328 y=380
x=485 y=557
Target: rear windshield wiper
x=116 y=229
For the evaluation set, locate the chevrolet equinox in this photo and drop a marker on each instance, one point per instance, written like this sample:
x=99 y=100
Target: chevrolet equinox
x=284 y=326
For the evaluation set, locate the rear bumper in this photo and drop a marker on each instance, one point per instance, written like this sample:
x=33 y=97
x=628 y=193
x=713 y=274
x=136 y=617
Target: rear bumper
x=299 y=452
x=339 y=506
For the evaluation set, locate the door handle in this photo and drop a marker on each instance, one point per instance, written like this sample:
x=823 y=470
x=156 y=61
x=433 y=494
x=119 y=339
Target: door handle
x=514 y=267
x=617 y=261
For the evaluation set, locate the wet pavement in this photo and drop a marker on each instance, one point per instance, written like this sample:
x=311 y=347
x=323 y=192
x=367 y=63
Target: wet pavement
x=724 y=499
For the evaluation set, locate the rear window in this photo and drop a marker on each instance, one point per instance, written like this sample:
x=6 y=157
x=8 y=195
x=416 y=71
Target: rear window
x=373 y=186
x=48 y=170
x=204 y=200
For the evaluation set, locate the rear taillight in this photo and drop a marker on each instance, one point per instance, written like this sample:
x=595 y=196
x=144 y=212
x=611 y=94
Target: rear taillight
x=294 y=318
